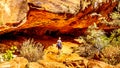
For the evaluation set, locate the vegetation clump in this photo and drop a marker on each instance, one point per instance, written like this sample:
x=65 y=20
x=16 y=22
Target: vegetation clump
x=93 y=42
x=31 y=50
x=111 y=54
x=9 y=53
x=96 y=44
x=112 y=51
x=114 y=18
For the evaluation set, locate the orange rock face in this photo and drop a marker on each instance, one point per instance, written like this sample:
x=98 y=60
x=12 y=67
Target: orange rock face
x=66 y=22
x=62 y=22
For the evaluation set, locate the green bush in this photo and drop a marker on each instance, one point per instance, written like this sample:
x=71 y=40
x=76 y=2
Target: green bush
x=31 y=50
x=94 y=41
x=115 y=15
x=97 y=43
x=9 y=53
x=112 y=52
x=115 y=20
x=114 y=39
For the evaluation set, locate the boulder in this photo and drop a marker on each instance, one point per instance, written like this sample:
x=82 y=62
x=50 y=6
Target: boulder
x=21 y=62
x=18 y=62
x=59 y=6
x=98 y=64
x=12 y=11
x=11 y=64
x=51 y=64
x=34 y=65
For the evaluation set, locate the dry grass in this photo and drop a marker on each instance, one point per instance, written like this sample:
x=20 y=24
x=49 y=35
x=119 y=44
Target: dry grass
x=111 y=54
x=31 y=50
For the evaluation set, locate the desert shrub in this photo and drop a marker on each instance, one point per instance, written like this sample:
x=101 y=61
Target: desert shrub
x=31 y=50
x=115 y=19
x=93 y=42
x=111 y=54
x=97 y=43
x=114 y=39
x=96 y=37
x=9 y=53
x=115 y=15
x=87 y=50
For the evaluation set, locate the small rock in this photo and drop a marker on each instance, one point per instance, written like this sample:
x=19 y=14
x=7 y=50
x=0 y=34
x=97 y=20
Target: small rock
x=10 y=64
x=34 y=65
x=51 y=64
x=98 y=64
x=21 y=62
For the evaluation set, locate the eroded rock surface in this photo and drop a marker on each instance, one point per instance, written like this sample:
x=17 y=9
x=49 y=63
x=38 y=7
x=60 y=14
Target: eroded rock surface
x=46 y=14
x=58 y=6
x=13 y=11
x=18 y=62
x=51 y=59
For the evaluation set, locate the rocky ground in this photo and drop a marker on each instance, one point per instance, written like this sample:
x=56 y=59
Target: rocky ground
x=51 y=59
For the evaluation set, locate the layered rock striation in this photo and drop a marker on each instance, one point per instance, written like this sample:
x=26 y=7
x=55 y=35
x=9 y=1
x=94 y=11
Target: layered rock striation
x=60 y=15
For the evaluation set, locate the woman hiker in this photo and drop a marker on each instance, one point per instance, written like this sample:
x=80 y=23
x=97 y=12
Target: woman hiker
x=59 y=45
